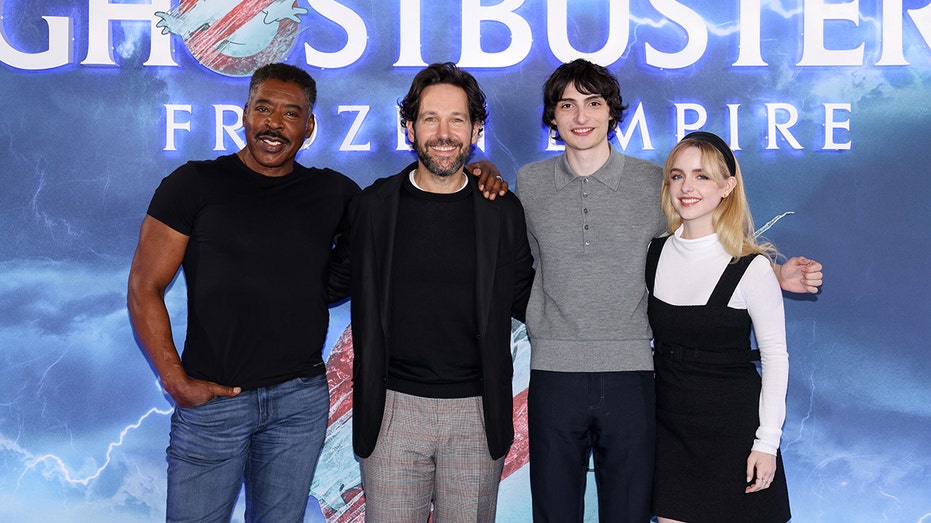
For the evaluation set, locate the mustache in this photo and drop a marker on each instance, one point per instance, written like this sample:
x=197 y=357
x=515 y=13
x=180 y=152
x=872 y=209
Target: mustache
x=272 y=134
x=443 y=142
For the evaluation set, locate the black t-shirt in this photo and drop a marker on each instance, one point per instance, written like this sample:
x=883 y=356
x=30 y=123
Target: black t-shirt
x=256 y=266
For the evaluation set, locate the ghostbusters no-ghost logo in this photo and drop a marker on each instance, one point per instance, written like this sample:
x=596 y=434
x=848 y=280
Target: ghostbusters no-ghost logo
x=234 y=38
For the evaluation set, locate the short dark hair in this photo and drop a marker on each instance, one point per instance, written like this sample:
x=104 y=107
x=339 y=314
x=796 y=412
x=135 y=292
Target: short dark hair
x=587 y=78
x=445 y=73
x=285 y=73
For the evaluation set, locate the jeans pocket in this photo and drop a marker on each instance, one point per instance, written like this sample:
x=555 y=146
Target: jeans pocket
x=202 y=406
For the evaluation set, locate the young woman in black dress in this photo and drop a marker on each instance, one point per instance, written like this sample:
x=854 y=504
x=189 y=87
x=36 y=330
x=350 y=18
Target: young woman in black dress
x=719 y=421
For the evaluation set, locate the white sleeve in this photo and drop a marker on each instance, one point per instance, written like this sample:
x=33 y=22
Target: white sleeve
x=763 y=297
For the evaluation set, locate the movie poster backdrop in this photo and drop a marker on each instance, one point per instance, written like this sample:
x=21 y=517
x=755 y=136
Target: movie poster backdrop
x=826 y=104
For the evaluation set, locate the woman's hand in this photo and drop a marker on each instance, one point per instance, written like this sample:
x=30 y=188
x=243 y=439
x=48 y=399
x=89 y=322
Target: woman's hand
x=761 y=466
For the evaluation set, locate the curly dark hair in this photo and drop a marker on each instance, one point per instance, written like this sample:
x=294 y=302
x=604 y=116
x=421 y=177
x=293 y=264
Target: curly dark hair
x=588 y=78
x=285 y=73
x=445 y=73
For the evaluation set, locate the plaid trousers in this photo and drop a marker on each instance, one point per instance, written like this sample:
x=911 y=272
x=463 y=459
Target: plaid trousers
x=431 y=450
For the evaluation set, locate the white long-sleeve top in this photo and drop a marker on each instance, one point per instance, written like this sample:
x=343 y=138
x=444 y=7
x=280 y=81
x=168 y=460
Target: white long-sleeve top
x=687 y=273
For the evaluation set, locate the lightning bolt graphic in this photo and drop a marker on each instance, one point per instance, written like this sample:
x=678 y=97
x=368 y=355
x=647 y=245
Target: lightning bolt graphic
x=811 y=408
x=55 y=463
x=768 y=225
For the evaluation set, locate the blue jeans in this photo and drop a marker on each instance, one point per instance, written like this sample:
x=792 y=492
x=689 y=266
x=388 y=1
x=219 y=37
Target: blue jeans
x=270 y=436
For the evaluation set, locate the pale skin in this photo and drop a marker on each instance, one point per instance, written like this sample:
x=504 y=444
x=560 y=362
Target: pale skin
x=444 y=127
x=695 y=197
x=582 y=121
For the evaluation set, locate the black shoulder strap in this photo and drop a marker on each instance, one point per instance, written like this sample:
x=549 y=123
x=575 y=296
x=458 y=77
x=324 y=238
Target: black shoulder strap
x=656 y=247
x=728 y=283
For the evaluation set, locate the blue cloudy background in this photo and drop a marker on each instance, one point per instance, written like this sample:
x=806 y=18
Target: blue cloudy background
x=83 y=422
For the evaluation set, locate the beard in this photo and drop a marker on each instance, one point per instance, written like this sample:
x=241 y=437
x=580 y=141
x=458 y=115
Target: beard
x=441 y=167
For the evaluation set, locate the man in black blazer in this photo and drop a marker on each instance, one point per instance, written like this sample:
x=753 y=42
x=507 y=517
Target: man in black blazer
x=437 y=274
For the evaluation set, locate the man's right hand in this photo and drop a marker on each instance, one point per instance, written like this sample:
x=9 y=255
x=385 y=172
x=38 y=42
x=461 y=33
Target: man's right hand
x=190 y=392
x=155 y=263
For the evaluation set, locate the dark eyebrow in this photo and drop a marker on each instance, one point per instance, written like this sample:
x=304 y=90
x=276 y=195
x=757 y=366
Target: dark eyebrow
x=586 y=99
x=266 y=101
x=454 y=113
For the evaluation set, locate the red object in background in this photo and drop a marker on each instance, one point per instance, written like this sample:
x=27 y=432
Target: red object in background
x=349 y=506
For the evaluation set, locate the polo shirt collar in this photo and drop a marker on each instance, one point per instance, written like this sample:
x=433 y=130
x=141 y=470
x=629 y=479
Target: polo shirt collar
x=609 y=174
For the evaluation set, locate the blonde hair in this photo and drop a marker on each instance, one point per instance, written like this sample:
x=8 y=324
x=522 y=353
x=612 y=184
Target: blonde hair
x=732 y=220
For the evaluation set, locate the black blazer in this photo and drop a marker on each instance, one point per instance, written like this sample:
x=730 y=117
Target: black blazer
x=504 y=275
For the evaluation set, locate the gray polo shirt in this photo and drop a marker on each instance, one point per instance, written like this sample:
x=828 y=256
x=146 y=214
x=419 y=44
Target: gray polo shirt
x=589 y=238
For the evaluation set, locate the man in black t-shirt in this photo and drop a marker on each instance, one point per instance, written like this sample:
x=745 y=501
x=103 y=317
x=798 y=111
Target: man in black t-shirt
x=437 y=274
x=254 y=232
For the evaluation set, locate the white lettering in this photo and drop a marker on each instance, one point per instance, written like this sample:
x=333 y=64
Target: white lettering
x=733 y=129
x=57 y=54
x=922 y=19
x=356 y=36
x=830 y=125
x=219 y=112
x=892 y=52
x=473 y=12
x=638 y=121
x=772 y=125
x=682 y=126
x=361 y=111
x=781 y=117
x=823 y=21
x=749 y=46
x=813 y=51
x=173 y=125
x=409 y=55
x=100 y=38
x=618 y=27
x=696 y=35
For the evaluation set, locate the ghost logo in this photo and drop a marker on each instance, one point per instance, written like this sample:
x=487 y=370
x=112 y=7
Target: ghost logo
x=232 y=38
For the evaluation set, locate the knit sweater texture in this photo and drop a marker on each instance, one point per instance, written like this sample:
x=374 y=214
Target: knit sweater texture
x=589 y=237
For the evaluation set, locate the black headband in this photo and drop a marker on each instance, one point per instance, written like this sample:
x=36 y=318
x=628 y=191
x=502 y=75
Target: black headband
x=719 y=144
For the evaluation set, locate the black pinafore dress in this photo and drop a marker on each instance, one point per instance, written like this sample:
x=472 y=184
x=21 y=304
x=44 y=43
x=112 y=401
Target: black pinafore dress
x=707 y=408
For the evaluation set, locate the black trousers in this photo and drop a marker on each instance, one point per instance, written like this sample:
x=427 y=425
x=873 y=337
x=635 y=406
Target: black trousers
x=609 y=416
